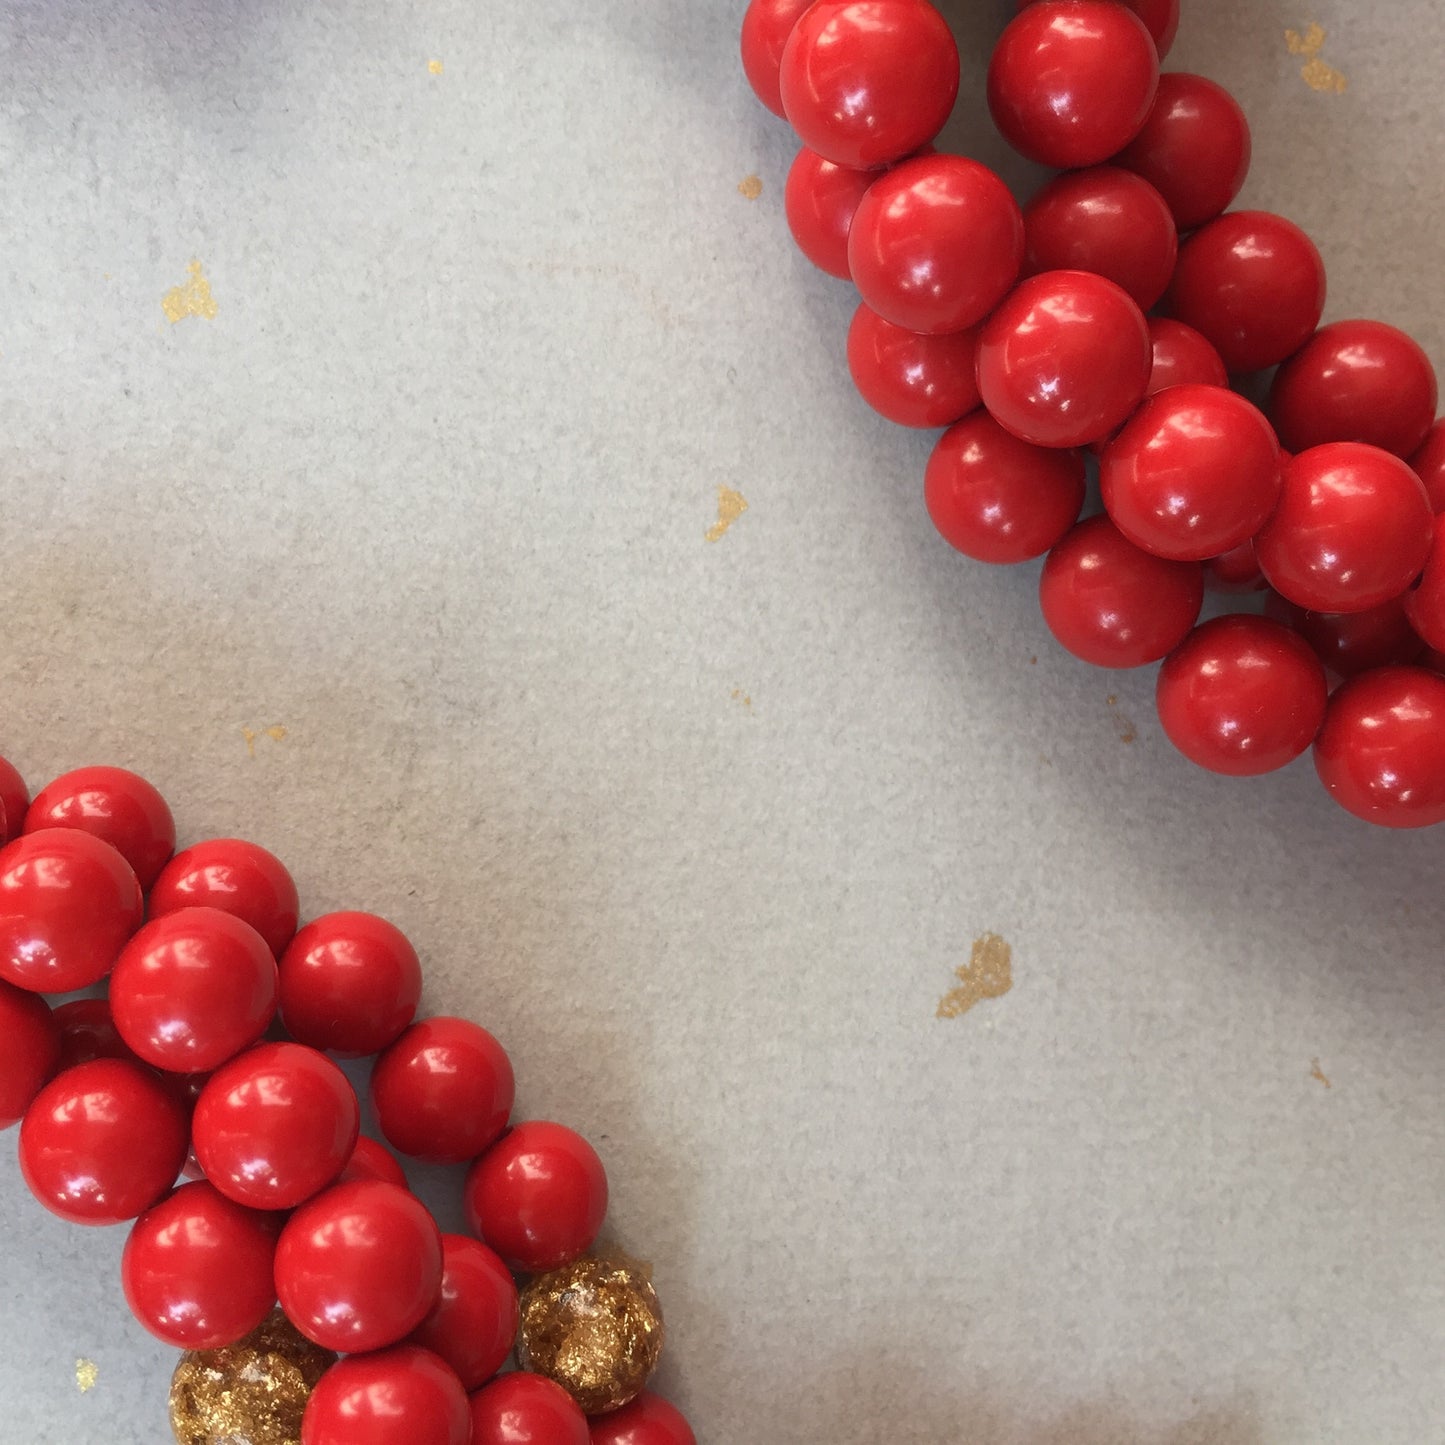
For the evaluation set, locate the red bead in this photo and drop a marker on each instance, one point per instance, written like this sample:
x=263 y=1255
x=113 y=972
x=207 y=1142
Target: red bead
x=1355 y=381
x=936 y=243
x=87 y=1031
x=1252 y=284
x=275 y=1126
x=14 y=800
x=1428 y=463
x=350 y=982
x=766 y=27
x=1241 y=695
x=1194 y=473
x=914 y=380
x=1194 y=148
x=30 y=1053
x=197 y=1269
x=526 y=1409
x=1425 y=604
x=820 y=200
x=443 y=1091
x=1112 y=604
x=1352 y=529
x=1349 y=643
x=114 y=805
x=538 y=1196
x=474 y=1323
x=1381 y=752
x=359 y=1267
x=235 y=876
x=370 y=1160
x=193 y=989
x=648 y=1420
x=998 y=499
x=1235 y=571
x=1180 y=356
x=402 y=1396
x=1071 y=81
x=102 y=1142
x=1107 y=221
x=1160 y=17
x=1065 y=359
x=867 y=82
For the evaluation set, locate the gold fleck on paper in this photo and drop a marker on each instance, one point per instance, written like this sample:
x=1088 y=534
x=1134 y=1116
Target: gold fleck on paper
x=434 y=66
x=1316 y=72
x=987 y=974
x=730 y=506
x=750 y=187
x=86 y=1374
x=191 y=299
x=1319 y=1075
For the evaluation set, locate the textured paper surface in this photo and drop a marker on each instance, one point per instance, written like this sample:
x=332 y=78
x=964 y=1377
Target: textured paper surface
x=391 y=552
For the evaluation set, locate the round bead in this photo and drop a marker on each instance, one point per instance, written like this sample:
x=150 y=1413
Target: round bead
x=538 y=1196
x=1252 y=284
x=1348 y=643
x=820 y=200
x=1107 y=221
x=193 y=989
x=1425 y=604
x=101 y=1143
x=1381 y=752
x=402 y=1396
x=996 y=498
x=370 y=1160
x=1111 y=603
x=1194 y=148
x=14 y=800
x=114 y=805
x=526 y=1409
x=443 y=1091
x=1241 y=695
x=197 y=1269
x=936 y=243
x=648 y=1420
x=473 y=1324
x=1065 y=359
x=1352 y=529
x=1160 y=17
x=867 y=82
x=1194 y=473
x=68 y=902
x=765 y=30
x=1071 y=81
x=359 y=1267
x=914 y=380
x=31 y=1050
x=275 y=1125
x=1235 y=571
x=1355 y=381
x=1428 y=463
x=238 y=878
x=1180 y=356
x=349 y=982
x=87 y=1031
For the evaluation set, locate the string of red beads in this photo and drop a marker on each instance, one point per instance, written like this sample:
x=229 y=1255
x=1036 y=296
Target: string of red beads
x=1024 y=333
x=176 y=1070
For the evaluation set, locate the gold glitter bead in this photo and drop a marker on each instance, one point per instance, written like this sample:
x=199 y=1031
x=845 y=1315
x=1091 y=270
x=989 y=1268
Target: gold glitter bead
x=595 y=1327
x=251 y=1393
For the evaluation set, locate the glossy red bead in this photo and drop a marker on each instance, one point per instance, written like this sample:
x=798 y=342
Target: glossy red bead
x=275 y=1126
x=350 y=983
x=443 y=1091
x=1355 y=381
x=192 y=989
x=359 y=1267
x=765 y=30
x=1193 y=148
x=867 y=82
x=1065 y=359
x=401 y=1396
x=102 y=1142
x=1071 y=81
x=647 y=1420
x=14 y=800
x=1348 y=643
x=238 y=878
x=197 y=1269
x=1428 y=463
x=1105 y=220
x=526 y=1409
x=1241 y=695
x=68 y=902
x=1252 y=284
x=1235 y=571
x=1352 y=529
x=1381 y=752
x=538 y=1196
x=87 y=1031
x=115 y=805
x=914 y=380
x=936 y=243
x=1425 y=605
x=1113 y=604
x=1193 y=473
x=29 y=1050
x=1181 y=356
x=370 y=1160
x=996 y=498
x=1160 y=17
x=820 y=200
x=473 y=1325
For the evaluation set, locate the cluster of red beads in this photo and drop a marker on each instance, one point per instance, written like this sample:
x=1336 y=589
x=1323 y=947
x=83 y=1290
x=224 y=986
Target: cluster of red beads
x=208 y=1059
x=1028 y=333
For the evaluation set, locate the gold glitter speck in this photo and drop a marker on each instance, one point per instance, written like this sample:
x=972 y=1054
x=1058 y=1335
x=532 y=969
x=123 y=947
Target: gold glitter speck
x=1318 y=1074
x=730 y=506
x=86 y=1374
x=1123 y=725
x=435 y=66
x=192 y=299
x=1316 y=72
x=276 y=733
x=987 y=974
x=740 y=696
x=750 y=187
